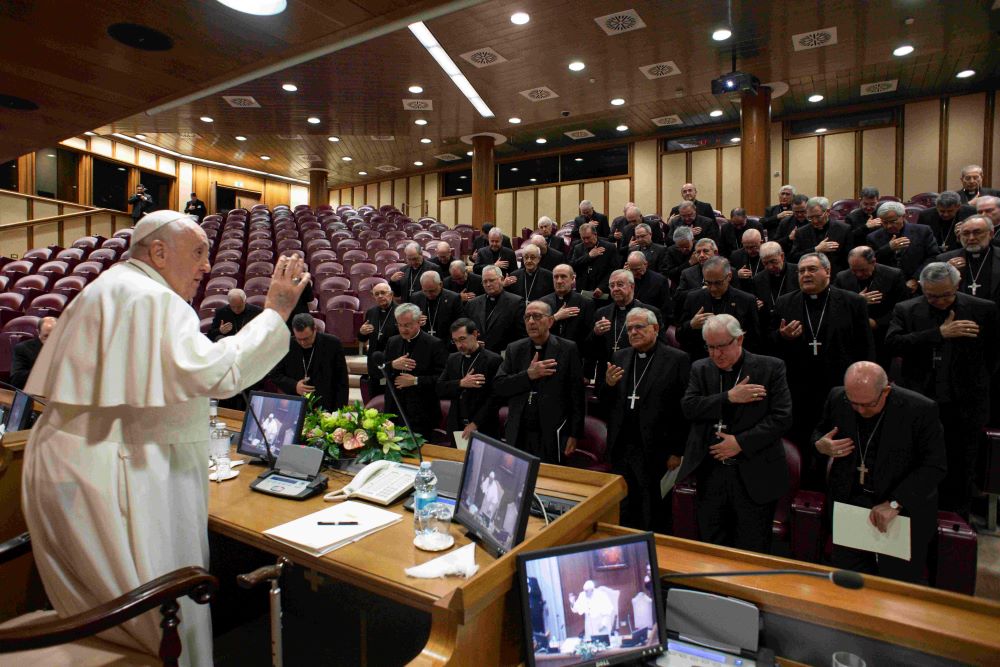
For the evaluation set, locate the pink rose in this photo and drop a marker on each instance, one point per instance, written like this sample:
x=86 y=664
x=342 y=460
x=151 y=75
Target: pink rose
x=338 y=436
x=352 y=443
x=361 y=437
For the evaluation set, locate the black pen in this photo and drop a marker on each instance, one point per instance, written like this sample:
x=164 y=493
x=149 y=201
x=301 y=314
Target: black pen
x=336 y=523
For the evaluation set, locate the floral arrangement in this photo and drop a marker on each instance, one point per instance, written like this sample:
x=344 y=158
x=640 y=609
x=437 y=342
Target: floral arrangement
x=356 y=432
x=588 y=649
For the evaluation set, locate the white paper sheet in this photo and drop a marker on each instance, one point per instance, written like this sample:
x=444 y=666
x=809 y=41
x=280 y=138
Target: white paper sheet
x=460 y=440
x=851 y=528
x=667 y=481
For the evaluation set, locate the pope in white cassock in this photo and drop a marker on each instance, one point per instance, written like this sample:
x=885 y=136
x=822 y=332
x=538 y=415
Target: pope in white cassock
x=595 y=607
x=115 y=486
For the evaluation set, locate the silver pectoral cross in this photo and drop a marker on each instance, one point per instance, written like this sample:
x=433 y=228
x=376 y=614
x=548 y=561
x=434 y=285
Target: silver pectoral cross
x=815 y=346
x=973 y=286
x=720 y=426
x=863 y=470
x=431 y=331
x=614 y=348
x=531 y=397
x=632 y=399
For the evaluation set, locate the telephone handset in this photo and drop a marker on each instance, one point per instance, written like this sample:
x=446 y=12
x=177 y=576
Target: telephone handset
x=380 y=482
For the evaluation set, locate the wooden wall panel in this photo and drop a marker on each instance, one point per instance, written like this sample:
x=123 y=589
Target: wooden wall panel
x=731 y=180
x=703 y=175
x=347 y=196
x=524 y=212
x=966 y=123
x=385 y=193
x=44 y=209
x=569 y=203
x=995 y=176
x=398 y=193
x=673 y=175
x=547 y=204
x=505 y=212
x=777 y=176
x=371 y=194
x=464 y=213
x=185 y=185
x=13 y=209
x=359 y=196
x=100 y=225
x=921 y=130
x=618 y=191
x=431 y=189
x=415 y=197
x=73 y=229
x=447 y=212
x=594 y=191
x=14 y=242
x=878 y=160
x=276 y=193
x=838 y=166
x=45 y=235
x=297 y=194
x=124 y=152
x=644 y=174
x=802 y=171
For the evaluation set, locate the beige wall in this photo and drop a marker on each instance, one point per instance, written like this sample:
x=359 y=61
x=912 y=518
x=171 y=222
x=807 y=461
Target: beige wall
x=966 y=121
x=644 y=160
x=731 y=180
x=878 y=159
x=921 y=132
x=838 y=166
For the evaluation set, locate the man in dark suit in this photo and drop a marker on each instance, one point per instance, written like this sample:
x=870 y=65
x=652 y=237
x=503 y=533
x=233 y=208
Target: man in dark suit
x=315 y=364
x=531 y=282
x=624 y=223
x=881 y=286
x=608 y=334
x=142 y=203
x=890 y=457
x=818 y=331
x=691 y=277
x=550 y=258
x=407 y=282
x=678 y=256
x=499 y=314
x=548 y=229
x=572 y=313
x=228 y=320
x=647 y=430
x=703 y=227
x=589 y=215
x=731 y=232
x=746 y=260
x=467 y=381
x=943 y=219
x=972 y=185
x=494 y=254
x=830 y=237
x=775 y=214
x=482 y=240
x=641 y=240
x=414 y=362
x=443 y=257
x=947 y=340
x=463 y=282
x=439 y=306
x=26 y=352
x=777 y=279
x=978 y=260
x=989 y=206
x=650 y=286
x=907 y=247
x=593 y=259
x=739 y=407
x=788 y=227
x=864 y=220
x=542 y=380
x=379 y=326
x=717 y=298
x=689 y=193
x=196 y=207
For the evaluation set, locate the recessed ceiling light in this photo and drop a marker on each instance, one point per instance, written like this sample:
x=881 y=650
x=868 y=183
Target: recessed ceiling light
x=576 y=66
x=290 y=87
x=265 y=157
x=533 y=179
x=715 y=113
x=50 y=155
x=459 y=190
x=622 y=128
x=347 y=158
x=257 y=7
x=722 y=34
x=313 y=120
x=121 y=168
x=816 y=98
x=514 y=169
x=463 y=177
x=966 y=73
x=416 y=90
x=903 y=50
x=425 y=140
x=418 y=163
x=735 y=140
x=519 y=18
x=578 y=159
x=240 y=137
x=541 y=140
x=362 y=173
x=207 y=119
x=333 y=139
x=820 y=130
x=444 y=61
x=617 y=102
x=514 y=121
x=140 y=136
x=420 y=121
x=469 y=153
x=91 y=134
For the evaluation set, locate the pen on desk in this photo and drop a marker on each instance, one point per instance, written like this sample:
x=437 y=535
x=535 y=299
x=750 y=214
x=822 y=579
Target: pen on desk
x=336 y=523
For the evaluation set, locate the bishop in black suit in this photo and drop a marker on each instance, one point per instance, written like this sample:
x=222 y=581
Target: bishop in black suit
x=573 y=314
x=315 y=364
x=907 y=247
x=463 y=282
x=830 y=237
x=26 y=353
x=228 y=320
x=689 y=193
x=467 y=381
x=731 y=232
x=407 y=281
x=746 y=260
x=650 y=286
x=642 y=240
x=647 y=430
x=439 y=307
x=593 y=259
x=589 y=216
x=691 y=277
x=495 y=253
x=499 y=314
x=977 y=261
x=414 y=362
x=739 y=407
x=888 y=453
x=547 y=229
x=775 y=214
x=702 y=226
x=718 y=298
x=972 y=185
x=947 y=212
x=483 y=239
x=777 y=279
x=551 y=258
x=379 y=326
x=864 y=220
x=531 y=282
x=541 y=378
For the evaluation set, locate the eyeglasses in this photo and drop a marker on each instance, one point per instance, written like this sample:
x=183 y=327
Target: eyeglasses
x=534 y=317
x=855 y=404
x=637 y=327
x=719 y=348
x=814 y=218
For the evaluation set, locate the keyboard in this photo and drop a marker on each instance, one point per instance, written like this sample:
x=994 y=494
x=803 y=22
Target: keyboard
x=554 y=507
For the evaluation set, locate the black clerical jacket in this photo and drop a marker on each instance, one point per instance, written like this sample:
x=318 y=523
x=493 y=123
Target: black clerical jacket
x=914 y=334
x=531 y=287
x=923 y=249
x=603 y=347
x=739 y=304
x=594 y=272
x=709 y=228
x=885 y=279
x=858 y=221
x=480 y=406
x=503 y=325
x=552 y=257
x=226 y=314
x=327 y=370
x=758 y=426
x=944 y=232
x=983 y=291
x=789 y=282
x=378 y=339
x=674 y=262
x=731 y=237
x=473 y=283
x=603 y=229
x=702 y=208
x=196 y=207
x=560 y=396
x=486 y=256
x=410 y=282
x=576 y=329
x=741 y=259
x=420 y=402
x=770 y=219
x=807 y=237
x=654 y=289
x=964 y=196
x=440 y=313
x=25 y=355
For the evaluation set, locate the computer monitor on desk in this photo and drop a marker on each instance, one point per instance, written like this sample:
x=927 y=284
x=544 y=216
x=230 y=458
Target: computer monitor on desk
x=279 y=419
x=19 y=415
x=583 y=604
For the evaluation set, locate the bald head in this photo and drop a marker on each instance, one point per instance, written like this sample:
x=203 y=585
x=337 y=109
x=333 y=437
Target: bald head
x=45 y=326
x=866 y=385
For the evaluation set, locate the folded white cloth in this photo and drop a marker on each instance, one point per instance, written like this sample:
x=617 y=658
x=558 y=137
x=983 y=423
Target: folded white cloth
x=459 y=563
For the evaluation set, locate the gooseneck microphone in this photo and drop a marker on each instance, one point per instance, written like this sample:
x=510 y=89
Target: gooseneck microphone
x=391 y=388
x=842 y=578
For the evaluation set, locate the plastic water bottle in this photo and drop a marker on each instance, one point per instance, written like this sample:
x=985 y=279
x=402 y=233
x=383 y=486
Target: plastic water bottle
x=218 y=442
x=425 y=493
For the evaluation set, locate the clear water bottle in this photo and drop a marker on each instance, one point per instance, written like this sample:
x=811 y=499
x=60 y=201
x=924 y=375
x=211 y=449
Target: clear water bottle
x=218 y=442
x=425 y=493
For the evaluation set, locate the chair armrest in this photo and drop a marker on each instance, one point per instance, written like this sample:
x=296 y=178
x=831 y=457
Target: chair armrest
x=193 y=582
x=591 y=458
x=15 y=547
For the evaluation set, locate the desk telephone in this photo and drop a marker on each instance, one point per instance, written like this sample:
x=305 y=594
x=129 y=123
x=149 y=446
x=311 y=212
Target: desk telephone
x=380 y=482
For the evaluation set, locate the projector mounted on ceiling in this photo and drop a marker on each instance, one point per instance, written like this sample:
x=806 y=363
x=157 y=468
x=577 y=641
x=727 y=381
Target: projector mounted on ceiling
x=735 y=82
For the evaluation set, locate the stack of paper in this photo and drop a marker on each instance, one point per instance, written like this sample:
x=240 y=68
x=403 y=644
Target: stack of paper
x=307 y=534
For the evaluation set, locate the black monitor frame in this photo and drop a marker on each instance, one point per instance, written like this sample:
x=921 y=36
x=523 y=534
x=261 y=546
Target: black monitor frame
x=249 y=424
x=21 y=406
x=477 y=532
x=639 y=652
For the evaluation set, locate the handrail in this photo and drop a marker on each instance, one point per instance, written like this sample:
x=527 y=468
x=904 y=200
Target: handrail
x=46 y=200
x=8 y=226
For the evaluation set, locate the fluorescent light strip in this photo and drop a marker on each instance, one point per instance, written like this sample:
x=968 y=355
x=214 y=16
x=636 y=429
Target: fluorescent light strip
x=213 y=163
x=449 y=67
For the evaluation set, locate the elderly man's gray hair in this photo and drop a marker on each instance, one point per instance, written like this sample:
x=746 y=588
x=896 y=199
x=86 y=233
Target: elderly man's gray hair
x=939 y=272
x=638 y=256
x=643 y=225
x=545 y=220
x=717 y=262
x=238 y=293
x=770 y=249
x=413 y=246
x=970 y=167
x=707 y=242
x=432 y=277
x=787 y=188
x=685 y=205
x=864 y=252
x=458 y=264
x=683 y=233
x=824 y=261
x=893 y=206
x=947 y=199
x=410 y=309
x=645 y=313
x=822 y=202
x=530 y=248
x=869 y=193
x=721 y=322
x=623 y=273
x=495 y=232
x=538 y=240
x=586 y=204
x=493 y=269
x=987 y=200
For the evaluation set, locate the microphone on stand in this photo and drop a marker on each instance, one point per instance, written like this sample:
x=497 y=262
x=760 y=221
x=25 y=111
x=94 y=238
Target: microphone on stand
x=842 y=578
x=391 y=388
x=263 y=436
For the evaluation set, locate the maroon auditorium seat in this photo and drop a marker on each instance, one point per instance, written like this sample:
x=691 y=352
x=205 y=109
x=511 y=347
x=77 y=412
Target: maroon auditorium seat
x=340 y=322
x=334 y=282
x=231 y=244
x=38 y=255
x=220 y=285
x=89 y=270
x=924 y=199
x=105 y=256
x=257 y=300
x=72 y=256
x=260 y=255
x=116 y=243
x=11 y=306
x=259 y=270
x=956 y=555
x=86 y=244
x=234 y=256
x=342 y=301
x=225 y=269
x=54 y=269
x=17 y=270
x=47 y=305
x=257 y=286
x=25 y=323
x=8 y=339
x=31 y=286
x=210 y=303
x=591 y=449
x=69 y=285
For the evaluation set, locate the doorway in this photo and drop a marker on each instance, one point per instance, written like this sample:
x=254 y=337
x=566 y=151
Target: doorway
x=159 y=187
x=228 y=198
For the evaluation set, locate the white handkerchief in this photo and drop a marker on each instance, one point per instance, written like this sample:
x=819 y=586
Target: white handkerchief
x=459 y=563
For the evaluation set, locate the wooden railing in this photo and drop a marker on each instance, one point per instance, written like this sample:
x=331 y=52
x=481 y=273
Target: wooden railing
x=17 y=206
x=16 y=238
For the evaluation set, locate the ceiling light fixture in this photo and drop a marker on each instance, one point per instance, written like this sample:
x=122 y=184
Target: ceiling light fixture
x=265 y=157
x=420 y=121
x=514 y=121
x=519 y=18
x=333 y=139
x=463 y=177
x=622 y=128
x=121 y=169
x=541 y=140
x=290 y=87
x=514 y=169
x=576 y=66
x=240 y=137
x=256 y=7
x=578 y=159
x=903 y=50
x=207 y=119
x=533 y=179
x=313 y=120
x=140 y=136
x=50 y=155
x=425 y=140
x=820 y=130
x=459 y=190
x=416 y=90
x=617 y=102
x=91 y=134
x=429 y=42
x=362 y=173
x=418 y=163
x=715 y=113
x=722 y=34
x=469 y=153
x=347 y=158
x=815 y=98
x=735 y=140
x=966 y=73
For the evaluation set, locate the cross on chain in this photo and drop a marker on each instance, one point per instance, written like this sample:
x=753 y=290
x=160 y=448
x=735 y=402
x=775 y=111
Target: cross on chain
x=531 y=397
x=632 y=399
x=863 y=469
x=973 y=286
x=815 y=346
x=720 y=426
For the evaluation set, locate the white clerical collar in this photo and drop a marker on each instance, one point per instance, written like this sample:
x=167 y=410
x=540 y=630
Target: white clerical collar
x=642 y=355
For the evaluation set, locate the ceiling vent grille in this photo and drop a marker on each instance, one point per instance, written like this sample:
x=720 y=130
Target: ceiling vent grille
x=382 y=137
x=418 y=105
x=310 y=157
x=579 y=134
x=660 y=70
x=387 y=167
x=289 y=137
x=241 y=101
x=539 y=94
x=814 y=39
x=448 y=157
x=667 y=121
x=484 y=57
x=620 y=22
x=877 y=87
x=190 y=135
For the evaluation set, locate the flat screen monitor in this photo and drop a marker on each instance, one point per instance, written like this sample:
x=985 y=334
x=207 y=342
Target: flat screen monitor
x=278 y=422
x=19 y=415
x=494 y=496
x=595 y=603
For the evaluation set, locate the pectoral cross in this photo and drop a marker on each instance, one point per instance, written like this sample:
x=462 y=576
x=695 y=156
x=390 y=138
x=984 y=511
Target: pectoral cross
x=815 y=346
x=431 y=331
x=863 y=469
x=720 y=426
x=632 y=399
x=973 y=286
x=614 y=348
x=531 y=397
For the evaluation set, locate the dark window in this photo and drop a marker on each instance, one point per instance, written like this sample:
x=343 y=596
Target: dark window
x=56 y=174
x=854 y=121
x=110 y=185
x=158 y=187
x=8 y=175
x=456 y=183
x=526 y=173
x=714 y=140
x=594 y=164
